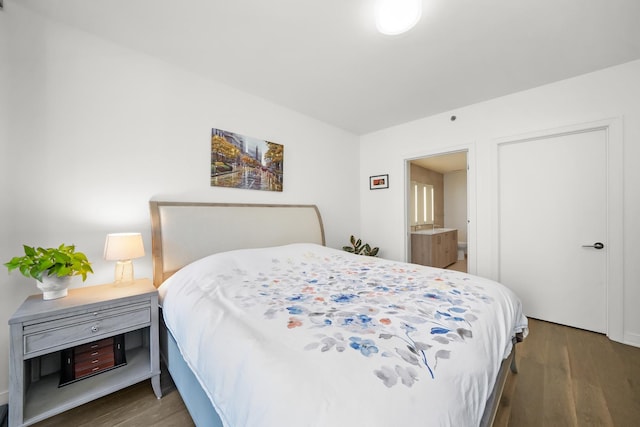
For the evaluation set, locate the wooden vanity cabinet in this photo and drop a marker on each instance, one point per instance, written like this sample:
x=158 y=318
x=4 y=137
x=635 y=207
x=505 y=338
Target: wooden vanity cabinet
x=435 y=250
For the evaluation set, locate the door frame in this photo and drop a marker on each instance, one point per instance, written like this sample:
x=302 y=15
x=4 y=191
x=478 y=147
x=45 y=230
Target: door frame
x=614 y=212
x=471 y=199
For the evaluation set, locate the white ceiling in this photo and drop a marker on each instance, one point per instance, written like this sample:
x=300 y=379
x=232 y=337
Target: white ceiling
x=325 y=59
x=444 y=163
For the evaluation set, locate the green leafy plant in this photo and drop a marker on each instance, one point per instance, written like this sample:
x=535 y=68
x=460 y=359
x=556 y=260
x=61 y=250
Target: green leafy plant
x=61 y=261
x=360 y=249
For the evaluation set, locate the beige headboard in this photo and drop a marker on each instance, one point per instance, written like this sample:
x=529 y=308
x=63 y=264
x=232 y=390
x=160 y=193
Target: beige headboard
x=182 y=232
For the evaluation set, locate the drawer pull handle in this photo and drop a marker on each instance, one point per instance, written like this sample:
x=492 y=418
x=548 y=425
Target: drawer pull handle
x=95 y=369
x=94 y=328
x=94 y=361
x=95 y=314
x=95 y=353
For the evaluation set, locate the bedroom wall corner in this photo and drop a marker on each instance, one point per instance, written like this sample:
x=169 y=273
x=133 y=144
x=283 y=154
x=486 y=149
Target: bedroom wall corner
x=5 y=306
x=97 y=130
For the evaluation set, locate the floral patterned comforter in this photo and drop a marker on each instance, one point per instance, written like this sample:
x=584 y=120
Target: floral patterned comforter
x=306 y=335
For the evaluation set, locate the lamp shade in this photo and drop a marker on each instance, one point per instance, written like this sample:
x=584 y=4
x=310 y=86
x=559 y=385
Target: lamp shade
x=123 y=246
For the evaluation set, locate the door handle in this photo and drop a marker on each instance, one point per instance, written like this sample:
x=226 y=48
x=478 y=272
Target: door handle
x=596 y=245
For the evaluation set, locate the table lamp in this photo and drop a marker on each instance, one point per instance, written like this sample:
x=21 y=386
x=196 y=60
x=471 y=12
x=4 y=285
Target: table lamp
x=123 y=247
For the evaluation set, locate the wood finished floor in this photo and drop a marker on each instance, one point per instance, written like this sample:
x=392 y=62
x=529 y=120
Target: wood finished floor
x=568 y=377
x=572 y=377
x=460 y=265
x=135 y=406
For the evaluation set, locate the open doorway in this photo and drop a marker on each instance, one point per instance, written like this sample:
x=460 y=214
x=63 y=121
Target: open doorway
x=437 y=212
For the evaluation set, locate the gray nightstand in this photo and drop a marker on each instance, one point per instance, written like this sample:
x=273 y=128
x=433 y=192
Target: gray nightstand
x=41 y=329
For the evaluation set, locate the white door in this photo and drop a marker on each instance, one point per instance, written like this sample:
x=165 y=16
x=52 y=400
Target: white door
x=552 y=206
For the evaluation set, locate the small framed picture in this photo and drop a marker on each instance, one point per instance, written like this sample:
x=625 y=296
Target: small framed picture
x=378 y=182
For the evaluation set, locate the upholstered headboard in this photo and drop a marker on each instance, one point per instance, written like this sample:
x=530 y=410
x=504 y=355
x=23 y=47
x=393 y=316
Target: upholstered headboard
x=182 y=232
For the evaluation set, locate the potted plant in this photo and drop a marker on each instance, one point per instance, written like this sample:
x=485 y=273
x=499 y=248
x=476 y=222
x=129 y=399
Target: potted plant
x=52 y=268
x=360 y=249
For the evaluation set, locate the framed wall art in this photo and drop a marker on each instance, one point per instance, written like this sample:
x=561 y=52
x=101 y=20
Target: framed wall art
x=378 y=182
x=239 y=161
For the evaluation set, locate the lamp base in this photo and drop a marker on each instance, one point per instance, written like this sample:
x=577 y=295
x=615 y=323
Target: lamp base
x=124 y=273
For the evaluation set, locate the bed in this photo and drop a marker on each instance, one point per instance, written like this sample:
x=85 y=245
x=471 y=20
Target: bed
x=263 y=325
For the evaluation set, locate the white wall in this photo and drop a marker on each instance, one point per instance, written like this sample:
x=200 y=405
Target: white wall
x=6 y=305
x=609 y=93
x=93 y=131
x=455 y=202
x=4 y=119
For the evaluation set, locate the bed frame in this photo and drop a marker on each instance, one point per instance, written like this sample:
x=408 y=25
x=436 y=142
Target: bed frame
x=183 y=232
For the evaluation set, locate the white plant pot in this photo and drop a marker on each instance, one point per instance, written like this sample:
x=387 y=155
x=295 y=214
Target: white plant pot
x=53 y=287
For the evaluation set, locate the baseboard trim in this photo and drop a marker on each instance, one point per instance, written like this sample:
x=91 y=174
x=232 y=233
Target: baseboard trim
x=632 y=339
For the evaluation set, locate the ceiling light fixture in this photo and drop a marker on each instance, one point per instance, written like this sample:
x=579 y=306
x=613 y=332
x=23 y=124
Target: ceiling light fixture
x=397 y=16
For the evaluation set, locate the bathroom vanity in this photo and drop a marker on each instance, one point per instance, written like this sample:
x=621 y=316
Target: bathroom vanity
x=435 y=248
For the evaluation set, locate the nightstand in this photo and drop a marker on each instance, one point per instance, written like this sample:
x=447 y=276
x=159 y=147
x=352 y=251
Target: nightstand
x=42 y=330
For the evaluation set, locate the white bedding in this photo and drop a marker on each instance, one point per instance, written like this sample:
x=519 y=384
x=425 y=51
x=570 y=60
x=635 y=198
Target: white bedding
x=304 y=335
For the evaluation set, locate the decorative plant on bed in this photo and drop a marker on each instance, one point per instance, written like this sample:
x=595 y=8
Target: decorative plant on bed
x=52 y=268
x=360 y=249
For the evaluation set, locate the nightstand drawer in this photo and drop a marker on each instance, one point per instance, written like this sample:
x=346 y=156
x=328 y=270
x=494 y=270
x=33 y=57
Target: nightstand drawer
x=81 y=354
x=93 y=366
x=93 y=346
x=93 y=326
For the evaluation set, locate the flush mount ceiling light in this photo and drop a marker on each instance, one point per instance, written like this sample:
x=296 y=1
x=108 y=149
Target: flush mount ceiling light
x=397 y=16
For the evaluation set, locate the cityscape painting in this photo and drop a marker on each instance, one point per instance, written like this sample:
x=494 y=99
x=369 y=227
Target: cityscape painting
x=240 y=161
